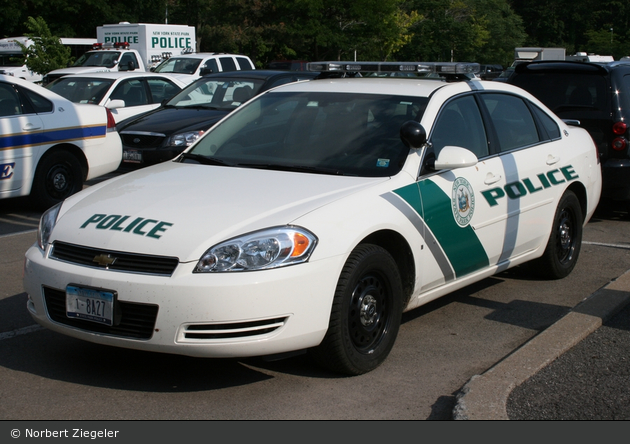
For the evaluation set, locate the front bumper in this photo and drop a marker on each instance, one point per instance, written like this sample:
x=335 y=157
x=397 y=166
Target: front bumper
x=206 y=315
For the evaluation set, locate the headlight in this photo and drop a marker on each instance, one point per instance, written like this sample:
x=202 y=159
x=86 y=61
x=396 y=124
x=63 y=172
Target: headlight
x=261 y=250
x=46 y=224
x=184 y=139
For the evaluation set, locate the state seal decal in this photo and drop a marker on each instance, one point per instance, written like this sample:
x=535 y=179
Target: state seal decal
x=463 y=201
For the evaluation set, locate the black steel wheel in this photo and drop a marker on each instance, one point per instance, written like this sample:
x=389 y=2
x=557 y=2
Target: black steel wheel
x=58 y=176
x=366 y=313
x=565 y=240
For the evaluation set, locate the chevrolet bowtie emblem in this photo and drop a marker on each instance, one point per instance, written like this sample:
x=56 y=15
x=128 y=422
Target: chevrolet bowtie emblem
x=104 y=259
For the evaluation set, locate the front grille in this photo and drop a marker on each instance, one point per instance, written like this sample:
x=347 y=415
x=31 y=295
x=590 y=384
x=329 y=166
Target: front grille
x=114 y=260
x=233 y=330
x=131 y=320
x=134 y=140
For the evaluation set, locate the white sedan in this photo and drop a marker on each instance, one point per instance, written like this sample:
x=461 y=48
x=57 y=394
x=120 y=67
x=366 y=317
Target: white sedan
x=126 y=94
x=49 y=146
x=313 y=215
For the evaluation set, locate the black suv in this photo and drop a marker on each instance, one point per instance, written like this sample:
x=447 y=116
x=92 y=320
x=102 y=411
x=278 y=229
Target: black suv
x=598 y=96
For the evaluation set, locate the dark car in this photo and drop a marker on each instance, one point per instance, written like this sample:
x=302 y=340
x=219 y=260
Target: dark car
x=597 y=95
x=490 y=72
x=165 y=132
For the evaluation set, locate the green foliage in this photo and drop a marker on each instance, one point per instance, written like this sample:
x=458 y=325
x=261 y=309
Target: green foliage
x=486 y=31
x=46 y=53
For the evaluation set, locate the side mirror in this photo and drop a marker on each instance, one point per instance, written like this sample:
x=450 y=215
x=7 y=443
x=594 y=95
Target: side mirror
x=452 y=157
x=117 y=103
x=205 y=70
x=413 y=134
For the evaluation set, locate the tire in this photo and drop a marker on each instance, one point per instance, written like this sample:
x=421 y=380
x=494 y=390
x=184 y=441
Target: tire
x=58 y=176
x=366 y=313
x=565 y=241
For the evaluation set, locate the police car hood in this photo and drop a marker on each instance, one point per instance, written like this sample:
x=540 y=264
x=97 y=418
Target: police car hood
x=79 y=70
x=176 y=209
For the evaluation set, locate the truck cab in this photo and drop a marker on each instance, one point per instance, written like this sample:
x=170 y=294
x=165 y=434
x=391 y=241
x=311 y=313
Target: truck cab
x=102 y=58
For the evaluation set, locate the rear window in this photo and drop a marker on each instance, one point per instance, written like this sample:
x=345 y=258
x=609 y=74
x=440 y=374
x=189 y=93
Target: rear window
x=567 y=94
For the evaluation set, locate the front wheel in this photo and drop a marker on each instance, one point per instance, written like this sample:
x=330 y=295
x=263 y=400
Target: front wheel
x=366 y=313
x=565 y=240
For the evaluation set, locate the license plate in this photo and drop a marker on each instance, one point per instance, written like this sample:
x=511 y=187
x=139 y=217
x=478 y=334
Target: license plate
x=132 y=156
x=90 y=304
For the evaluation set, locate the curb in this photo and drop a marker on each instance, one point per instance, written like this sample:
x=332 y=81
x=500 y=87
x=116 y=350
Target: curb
x=484 y=397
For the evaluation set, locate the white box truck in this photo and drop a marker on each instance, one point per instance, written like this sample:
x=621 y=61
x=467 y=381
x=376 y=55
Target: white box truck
x=131 y=47
x=13 y=63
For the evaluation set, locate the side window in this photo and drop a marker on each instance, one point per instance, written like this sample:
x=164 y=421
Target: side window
x=9 y=101
x=40 y=104
x=132 y=92
x=459 y=124
x=551 y=127
x=227 y=64
x=244 y=64
x=161 y=89
x=512 y=120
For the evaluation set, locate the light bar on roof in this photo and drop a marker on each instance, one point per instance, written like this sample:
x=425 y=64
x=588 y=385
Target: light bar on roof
x=388 y=67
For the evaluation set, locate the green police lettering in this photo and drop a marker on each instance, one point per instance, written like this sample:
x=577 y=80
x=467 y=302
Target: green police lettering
x=140 y=226
x=520 y=188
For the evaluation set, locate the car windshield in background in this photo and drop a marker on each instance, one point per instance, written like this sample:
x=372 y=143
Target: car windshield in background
x=217 y=93
x=179 y=66
x=11 y=60
x=105 y=59
x=345 y=134
x=80 y=90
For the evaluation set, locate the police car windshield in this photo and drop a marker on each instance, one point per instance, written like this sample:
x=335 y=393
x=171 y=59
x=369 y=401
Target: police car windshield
x=340 y=133
x=80 y=89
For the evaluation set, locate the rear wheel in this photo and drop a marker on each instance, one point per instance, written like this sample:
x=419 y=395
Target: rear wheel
x=565 y=241
x=58 y=176
x=366 y=313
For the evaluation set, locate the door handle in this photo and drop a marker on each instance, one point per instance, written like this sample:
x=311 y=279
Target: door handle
x=491 y=178
x=551 y=159
x=31 y=127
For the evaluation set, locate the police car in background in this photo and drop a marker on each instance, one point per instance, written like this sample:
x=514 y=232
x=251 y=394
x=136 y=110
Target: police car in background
x=49 y=146
x=312 y=216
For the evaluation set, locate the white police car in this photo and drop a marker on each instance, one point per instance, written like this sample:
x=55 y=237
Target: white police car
x=49 y=146
x=314 y=215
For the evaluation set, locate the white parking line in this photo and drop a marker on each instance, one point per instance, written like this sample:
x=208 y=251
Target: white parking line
x=20 y=331
x=601 y=244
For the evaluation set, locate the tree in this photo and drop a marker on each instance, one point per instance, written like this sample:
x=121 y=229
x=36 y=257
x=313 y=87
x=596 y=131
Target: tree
x=46 y=53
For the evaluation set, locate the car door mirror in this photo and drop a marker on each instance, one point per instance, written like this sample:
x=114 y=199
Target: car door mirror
x=205 y=70
x=117 y=103
x=452 y=157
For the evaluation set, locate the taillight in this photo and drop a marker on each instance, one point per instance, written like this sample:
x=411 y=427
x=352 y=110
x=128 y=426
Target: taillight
x=620 y=128
x=111 y=122
x=619 y=144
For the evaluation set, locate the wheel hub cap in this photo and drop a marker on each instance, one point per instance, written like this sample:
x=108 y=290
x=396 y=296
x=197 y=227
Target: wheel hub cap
x=368 y=312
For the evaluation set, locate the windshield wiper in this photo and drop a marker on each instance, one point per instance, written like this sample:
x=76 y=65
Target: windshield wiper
x=296 y=168
x=202 y=159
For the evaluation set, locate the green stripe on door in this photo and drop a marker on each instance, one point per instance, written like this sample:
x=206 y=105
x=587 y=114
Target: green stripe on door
x=460 y=244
